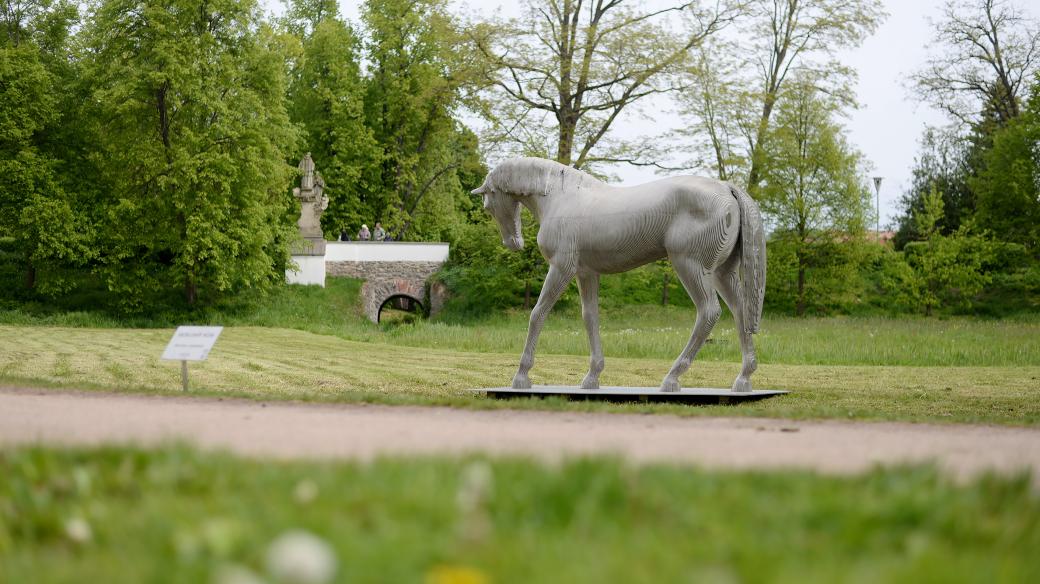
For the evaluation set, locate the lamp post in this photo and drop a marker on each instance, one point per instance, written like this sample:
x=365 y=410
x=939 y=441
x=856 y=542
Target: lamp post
x=877 y=191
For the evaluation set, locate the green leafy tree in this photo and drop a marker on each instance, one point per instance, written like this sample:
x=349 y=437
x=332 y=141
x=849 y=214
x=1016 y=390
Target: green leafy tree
x=951 y=269
x=484 y=275
x=945 y=162
x=302 y=17
x=326 y=98
x=35 y=208
x=927 y=221
x=417 y=78
x=1008 y=187
x=944 y=270
x=812 y=192
x=193 y=139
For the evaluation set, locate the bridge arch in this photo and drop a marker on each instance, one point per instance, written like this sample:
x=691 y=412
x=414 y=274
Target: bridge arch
x=390 y=269
x=376 y=293
x=401 y=302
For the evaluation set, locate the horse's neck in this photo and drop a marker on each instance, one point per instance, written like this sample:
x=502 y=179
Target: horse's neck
x=537 y=205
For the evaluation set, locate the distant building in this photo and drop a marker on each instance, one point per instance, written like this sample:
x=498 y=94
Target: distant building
x=884 y=237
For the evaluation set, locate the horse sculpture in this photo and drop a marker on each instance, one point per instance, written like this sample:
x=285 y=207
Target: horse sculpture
x=711 y=231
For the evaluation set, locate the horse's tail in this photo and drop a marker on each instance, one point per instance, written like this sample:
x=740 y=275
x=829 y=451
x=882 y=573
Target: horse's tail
x=752 y=259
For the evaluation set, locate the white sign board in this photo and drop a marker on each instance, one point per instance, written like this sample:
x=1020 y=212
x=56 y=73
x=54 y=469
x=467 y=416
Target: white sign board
x=191 y=343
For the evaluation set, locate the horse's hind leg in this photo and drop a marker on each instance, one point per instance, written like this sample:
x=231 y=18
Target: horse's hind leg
x=588 y=285
x=699 y=286
x=556 y=282
x=729 y=288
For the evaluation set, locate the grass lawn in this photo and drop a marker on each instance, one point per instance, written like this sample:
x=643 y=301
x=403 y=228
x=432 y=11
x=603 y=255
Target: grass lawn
x=175 y=515
x=269 y=363
x=312 y=344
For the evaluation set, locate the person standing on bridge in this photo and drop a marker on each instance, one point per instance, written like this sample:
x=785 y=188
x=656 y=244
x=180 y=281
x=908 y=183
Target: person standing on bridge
x=364 y=234
x=380 y=233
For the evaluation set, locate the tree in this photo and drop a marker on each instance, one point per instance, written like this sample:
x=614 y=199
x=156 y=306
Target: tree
x=951 y=269
x=326 y=97
x=417 y=77
x=35 y=208
x=41 y=23
x=927 y=221
x=485 y=274
x=986 y=52
x=721 y=110
x=193 y=138
x=302 y=17
x=737 y=84
x=945 y=163
x=812 y=191
x=562 y=73
x=1008 y=187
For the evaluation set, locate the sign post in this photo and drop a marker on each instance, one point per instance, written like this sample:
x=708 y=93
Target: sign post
x=190 y=343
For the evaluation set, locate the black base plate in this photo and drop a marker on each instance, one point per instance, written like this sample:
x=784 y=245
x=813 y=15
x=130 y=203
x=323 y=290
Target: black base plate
x=697 y=395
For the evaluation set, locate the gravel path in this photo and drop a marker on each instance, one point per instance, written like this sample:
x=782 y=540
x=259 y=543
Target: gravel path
x=295 y=430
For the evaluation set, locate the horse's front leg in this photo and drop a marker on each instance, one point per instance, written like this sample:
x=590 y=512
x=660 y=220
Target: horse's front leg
x=556 y=282
x=588 y=285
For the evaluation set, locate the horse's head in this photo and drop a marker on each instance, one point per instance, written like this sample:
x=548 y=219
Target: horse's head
x=505 y=208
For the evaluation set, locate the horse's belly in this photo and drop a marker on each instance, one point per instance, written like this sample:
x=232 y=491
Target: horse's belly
x=612 y=260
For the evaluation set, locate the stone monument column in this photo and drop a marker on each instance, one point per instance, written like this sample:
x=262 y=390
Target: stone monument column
x=309 y=252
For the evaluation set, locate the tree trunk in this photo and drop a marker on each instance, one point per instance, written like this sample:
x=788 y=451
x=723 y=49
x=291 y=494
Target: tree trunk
x=30 y=276
x=754 y=174
x=566 y=145
x=191 y=290
x=666 y=279
x=527 y=294
x=800 y=308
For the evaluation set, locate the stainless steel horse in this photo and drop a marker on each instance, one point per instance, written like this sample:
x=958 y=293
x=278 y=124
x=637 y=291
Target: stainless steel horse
x=711 y=231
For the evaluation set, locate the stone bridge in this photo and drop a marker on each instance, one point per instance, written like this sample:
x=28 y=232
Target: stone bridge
x=390 y=270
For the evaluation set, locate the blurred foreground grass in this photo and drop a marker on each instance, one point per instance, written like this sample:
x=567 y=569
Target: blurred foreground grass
x=273 y=363
x=175 y=515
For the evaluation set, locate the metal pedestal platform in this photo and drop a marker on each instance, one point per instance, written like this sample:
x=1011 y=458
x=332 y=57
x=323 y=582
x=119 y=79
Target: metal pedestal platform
x=694 y=395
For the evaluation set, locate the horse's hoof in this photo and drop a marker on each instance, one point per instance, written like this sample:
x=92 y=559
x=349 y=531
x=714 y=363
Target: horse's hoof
x=521 y=382
x=742 y=384
x=670 y=385
x=589 y=383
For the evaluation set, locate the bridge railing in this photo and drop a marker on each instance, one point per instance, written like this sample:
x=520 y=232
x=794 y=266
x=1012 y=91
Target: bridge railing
x=385 y=251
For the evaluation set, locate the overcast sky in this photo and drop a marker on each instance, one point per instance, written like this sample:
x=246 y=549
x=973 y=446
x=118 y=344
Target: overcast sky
x=889 y=122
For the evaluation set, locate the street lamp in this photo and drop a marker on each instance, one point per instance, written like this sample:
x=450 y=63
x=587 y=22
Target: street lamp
x=877 y=190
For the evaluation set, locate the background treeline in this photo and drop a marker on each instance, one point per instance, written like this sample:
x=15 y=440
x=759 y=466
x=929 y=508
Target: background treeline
x=148 y=147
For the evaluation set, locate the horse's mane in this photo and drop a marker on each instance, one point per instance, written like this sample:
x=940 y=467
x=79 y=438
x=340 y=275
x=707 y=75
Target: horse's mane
x=537 y=176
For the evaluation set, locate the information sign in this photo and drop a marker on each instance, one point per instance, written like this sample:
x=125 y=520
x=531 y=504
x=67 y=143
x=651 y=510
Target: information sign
x=191 y=343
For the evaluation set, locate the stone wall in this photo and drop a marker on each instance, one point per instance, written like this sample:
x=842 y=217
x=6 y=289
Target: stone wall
x=384 y=280
x=383 y=270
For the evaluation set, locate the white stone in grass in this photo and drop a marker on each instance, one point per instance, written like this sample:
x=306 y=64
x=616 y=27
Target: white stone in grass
x=472 y=499
x=300 y=557
x=475 y=487
x=305 y=491
x=78 y=530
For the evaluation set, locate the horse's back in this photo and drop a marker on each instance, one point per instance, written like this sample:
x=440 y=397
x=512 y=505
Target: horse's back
x=619 y=228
